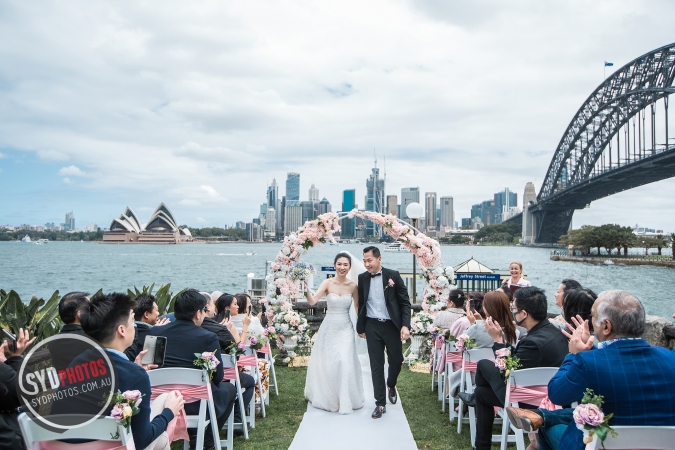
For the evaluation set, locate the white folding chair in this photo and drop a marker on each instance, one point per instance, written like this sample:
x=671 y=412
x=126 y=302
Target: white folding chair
x=523 y=378
x=630 y=437
x=101 y=429
x=469 y=360
x=267 y=350
x=195 y=377
x=450 y=349
x=231 y=373
x=250 y=354
x=438 y=352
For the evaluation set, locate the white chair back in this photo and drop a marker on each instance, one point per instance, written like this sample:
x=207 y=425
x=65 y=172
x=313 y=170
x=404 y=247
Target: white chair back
x=646 y=438
x=229 y=361
x=477 y=354
x=177 y=375
x=104 y=427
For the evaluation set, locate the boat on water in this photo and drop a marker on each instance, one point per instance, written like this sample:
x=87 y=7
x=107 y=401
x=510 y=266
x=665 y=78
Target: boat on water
x=251 y=253
x=42 y=241
x=395 y=247
x=26 y=238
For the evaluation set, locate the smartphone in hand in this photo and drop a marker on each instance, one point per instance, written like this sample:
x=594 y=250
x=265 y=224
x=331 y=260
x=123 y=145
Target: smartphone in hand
x=156 y=347
x=227 y=314
x=11 y=340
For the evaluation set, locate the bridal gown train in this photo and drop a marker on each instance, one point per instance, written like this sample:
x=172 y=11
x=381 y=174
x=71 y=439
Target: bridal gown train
x=334 y=381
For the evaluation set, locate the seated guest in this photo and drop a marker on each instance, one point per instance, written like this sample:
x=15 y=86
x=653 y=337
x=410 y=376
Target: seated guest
x=446 y=318
x=245 y=308
x=228 y=303
x=578 y=303
x=146 y=315
x=475 y=303
x=71 y=306
x=495 y=305
x=544 y=346
x=635 y=379
x=185 y=337
x=566 y=285
x=226 y=339
x=10 y=364
x=110 y=321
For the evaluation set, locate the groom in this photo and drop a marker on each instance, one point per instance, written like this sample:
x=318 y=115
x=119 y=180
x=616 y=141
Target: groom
x=384 y=321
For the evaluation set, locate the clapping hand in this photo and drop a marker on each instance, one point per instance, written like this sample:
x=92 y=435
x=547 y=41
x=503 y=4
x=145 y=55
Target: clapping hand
x=163 y=321
x=494 y=330
x=144 y=366
x=580 y=339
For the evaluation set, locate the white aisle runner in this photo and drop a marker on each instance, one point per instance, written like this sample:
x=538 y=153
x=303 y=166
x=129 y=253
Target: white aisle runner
x=325 y=430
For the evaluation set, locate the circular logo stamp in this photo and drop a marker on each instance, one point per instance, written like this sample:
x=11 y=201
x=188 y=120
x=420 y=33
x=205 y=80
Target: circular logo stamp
x=66 y=381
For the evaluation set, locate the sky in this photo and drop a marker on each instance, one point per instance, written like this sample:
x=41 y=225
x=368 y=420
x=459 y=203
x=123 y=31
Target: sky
x=201 y=104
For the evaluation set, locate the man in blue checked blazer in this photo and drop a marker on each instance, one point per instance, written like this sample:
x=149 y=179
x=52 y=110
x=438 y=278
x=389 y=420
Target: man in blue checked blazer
x=636 y=379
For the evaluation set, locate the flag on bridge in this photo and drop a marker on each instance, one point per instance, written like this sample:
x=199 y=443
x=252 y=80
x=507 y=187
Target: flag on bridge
x=608 y=64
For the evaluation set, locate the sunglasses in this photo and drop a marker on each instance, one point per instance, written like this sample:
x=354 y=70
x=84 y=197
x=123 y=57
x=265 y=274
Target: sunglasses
x=205 y=309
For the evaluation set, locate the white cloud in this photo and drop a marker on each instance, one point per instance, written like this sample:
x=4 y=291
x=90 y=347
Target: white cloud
x=73 y=171
x=159 y=103
x=67 y=180
x=52 y=155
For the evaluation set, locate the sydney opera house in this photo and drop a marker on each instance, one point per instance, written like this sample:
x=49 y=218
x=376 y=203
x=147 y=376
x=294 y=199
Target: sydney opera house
x=160 y=229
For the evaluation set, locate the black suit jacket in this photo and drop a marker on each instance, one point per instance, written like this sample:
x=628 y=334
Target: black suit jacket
x=544 y=346
x=183 y=340
x=396 y=298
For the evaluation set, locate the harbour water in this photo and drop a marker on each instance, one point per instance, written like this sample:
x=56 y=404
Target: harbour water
x=68 y=266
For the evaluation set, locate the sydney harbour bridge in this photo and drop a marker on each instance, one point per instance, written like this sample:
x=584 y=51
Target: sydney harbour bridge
x=617 y=140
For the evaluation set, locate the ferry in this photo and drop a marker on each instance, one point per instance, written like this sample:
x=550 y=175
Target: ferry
x=26 y=238
x=395 y=247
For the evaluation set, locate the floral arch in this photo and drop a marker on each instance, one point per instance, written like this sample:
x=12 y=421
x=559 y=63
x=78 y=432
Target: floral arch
x=281 y=289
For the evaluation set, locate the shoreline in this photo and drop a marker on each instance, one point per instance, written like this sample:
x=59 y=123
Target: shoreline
x=623 y=260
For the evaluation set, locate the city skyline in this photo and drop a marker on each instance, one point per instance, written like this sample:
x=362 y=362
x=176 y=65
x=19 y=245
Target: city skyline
x=102 y=113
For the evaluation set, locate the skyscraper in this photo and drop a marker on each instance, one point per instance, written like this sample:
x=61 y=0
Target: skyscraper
x=70 y=222
x=392 y=205
x=324 y=206
x=348 y=203
x=272 y=194
x=309 y=210
x=447 y=212
x=529 y=196
x=293 y=216
x=430 y=210
x=408 y=195
x=313 y=194
x=293 y=186
x=504 y=201
x=374 y=200
x=270 y=223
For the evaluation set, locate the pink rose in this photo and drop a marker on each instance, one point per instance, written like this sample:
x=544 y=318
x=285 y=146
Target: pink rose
x=459 y=345
x=117 y=412
x=132 y=396
x=500 y=363
x=241 y=345
x=588 y=414
x=503 y=353
x=391 y=282
x=253 y=341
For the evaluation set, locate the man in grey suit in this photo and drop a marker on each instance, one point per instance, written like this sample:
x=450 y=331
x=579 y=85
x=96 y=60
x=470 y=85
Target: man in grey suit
x=384 y=321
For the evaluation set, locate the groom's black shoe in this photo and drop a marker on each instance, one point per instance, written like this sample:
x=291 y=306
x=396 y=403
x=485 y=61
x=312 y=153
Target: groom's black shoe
x=393 y=395
x=468 y=399
x=379 y=410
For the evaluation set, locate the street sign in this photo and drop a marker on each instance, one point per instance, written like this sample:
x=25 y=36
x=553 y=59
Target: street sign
x=327 y=269
x=478 y=276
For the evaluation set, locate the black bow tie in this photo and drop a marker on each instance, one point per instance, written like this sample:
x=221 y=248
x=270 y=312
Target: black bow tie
x=373 y=275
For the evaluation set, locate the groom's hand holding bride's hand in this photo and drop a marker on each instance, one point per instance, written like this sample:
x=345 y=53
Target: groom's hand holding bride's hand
x=405 y=333
x=362 y=335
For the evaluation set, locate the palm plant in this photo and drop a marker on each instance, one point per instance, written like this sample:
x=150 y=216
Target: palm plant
x=39 y=317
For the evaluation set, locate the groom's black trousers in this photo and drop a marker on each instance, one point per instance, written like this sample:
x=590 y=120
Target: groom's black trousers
x=381 y=336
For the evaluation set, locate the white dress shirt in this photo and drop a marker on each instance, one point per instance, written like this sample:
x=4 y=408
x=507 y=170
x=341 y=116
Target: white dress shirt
x=376 y=308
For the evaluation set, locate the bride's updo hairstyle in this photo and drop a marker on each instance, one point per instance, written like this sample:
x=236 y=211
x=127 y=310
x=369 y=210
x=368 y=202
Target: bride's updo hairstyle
x=343 y=255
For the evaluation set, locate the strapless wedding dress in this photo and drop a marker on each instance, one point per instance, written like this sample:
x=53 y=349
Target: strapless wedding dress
x=334 y=381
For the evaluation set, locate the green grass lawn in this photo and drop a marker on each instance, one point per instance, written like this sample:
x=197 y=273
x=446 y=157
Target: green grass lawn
x=430 y=427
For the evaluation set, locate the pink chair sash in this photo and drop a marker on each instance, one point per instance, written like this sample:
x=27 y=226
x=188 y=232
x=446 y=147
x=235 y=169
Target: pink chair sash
x=177 y=428
x=454 y=358
x=531 y=395
x=229 y=373
x=470 y=366
x=267 y=350
x=438 y=343
x=245 y=361
x=94 y=445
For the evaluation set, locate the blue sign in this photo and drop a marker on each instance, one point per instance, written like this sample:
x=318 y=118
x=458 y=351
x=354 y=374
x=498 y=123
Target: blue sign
x=478 y=276
x=327 y=269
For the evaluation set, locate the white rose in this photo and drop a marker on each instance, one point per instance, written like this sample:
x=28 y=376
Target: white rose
x=442 y=281
x=286 y=251
x=284 y=327
x=438 y=271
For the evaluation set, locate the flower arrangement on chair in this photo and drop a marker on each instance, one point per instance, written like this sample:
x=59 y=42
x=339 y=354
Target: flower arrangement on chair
x=506 y=363
x=207 y=361
x=126 y=406
x=464 y=342
x=590 y=419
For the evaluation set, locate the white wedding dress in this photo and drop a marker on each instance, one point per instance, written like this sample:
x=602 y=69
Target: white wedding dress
x=334 y=380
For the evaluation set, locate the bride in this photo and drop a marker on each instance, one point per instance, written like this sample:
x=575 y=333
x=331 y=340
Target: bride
x=334 y=382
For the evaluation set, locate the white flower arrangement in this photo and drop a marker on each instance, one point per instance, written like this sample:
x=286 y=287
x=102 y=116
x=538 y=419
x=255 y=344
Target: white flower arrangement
x=421 y=323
